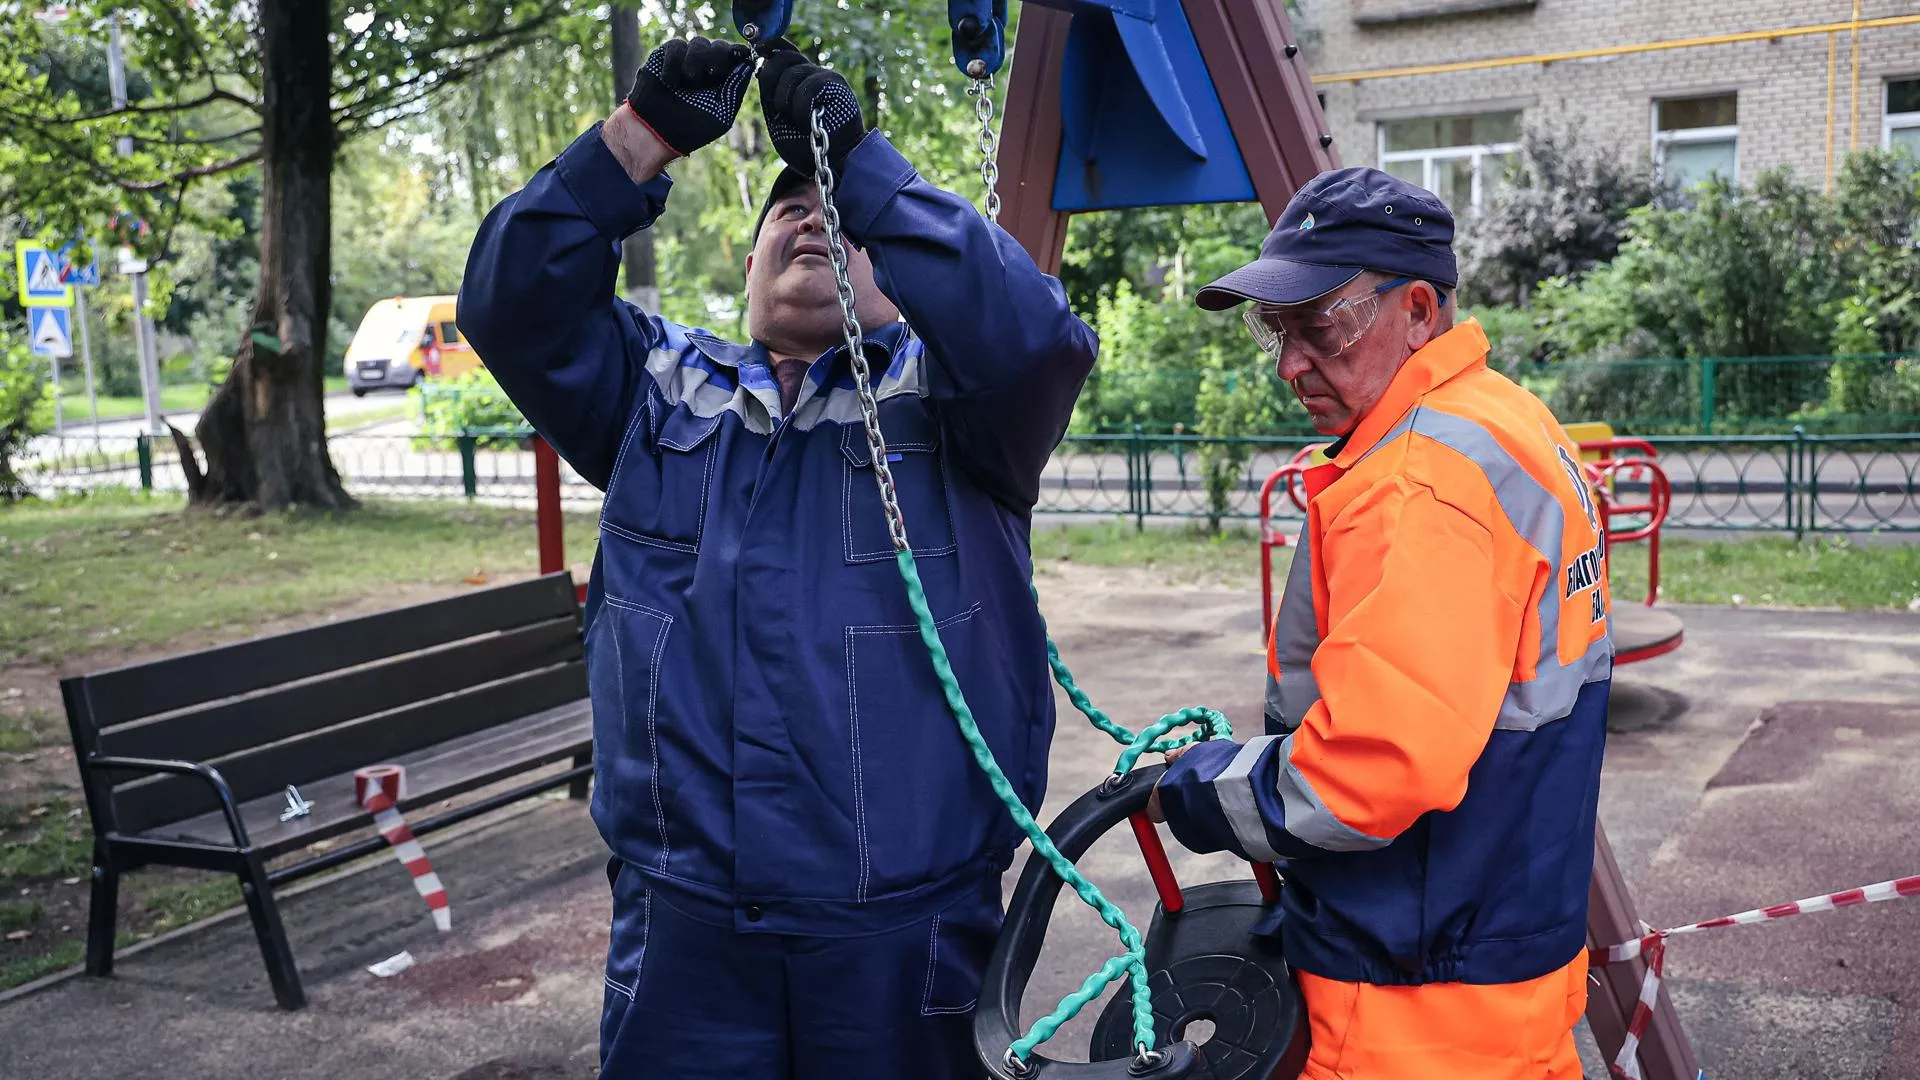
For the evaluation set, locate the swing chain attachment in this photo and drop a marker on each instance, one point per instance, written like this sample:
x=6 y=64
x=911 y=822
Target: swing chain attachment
x=850 y=324
x=1146 y=1059
x=981 y=91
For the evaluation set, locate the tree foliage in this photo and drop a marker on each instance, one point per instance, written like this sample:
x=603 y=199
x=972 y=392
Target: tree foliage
x=231 y=84
x=195 y=95
x=1562 y=212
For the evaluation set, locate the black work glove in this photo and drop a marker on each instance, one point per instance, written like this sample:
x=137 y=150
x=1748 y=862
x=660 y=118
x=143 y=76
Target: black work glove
x=689 y=91
x=791 y=87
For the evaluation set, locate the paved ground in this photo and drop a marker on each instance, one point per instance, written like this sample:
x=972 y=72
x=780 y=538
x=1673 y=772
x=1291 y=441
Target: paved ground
x=1709 y=812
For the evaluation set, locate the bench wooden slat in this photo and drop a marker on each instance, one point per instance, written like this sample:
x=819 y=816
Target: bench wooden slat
x=435 y=773
x=148 y=802
x=129 y=693
x=235 y=725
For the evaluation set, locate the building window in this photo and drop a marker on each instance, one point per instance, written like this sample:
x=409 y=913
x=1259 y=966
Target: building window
x=1462 y=159
x=1694 y=138
x=1902 y=124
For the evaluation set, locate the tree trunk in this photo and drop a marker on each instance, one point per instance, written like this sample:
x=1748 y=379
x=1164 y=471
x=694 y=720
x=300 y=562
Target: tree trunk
x=264 y=434
x=637 y=250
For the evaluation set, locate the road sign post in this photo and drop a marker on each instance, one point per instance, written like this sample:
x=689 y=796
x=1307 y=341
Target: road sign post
x=142 y=322
x=79 y=278
x=59 y=419
x=86 y=361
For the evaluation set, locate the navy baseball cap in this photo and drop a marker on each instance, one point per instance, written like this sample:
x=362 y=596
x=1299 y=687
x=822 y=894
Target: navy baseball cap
x=785 y=181
x=1342 y=223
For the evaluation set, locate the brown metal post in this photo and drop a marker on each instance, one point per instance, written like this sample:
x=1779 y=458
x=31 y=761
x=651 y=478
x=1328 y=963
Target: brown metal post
x=1267 y=94
x=1030 y=136
x=1665 y=1053
x=547 y=520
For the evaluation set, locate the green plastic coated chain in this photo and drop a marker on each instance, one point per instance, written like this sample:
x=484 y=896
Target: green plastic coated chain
x=1131 y=963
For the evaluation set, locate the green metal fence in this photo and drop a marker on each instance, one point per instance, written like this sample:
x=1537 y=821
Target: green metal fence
x=1798 y=483
x=1736 y=395
x=1716 y=395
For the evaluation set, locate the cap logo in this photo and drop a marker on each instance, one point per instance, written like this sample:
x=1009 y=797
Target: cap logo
x=1306 y=223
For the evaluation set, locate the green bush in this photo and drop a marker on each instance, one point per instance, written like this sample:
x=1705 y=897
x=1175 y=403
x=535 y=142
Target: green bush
x=1739 y=273
x=1239 y=395
x=471 y=403
x=23 y=408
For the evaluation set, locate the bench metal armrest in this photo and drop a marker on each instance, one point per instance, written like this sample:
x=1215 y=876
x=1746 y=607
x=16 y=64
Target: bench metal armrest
x=184 y=768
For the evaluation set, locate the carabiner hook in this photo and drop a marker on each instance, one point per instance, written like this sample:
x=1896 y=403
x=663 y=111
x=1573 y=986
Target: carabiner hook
x=762 y=21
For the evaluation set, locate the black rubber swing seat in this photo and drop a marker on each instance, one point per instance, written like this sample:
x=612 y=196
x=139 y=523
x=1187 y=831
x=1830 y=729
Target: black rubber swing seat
x=1204 y=963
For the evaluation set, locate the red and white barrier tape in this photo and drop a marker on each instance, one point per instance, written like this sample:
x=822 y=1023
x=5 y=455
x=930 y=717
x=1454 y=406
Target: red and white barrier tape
x=379 y=790
x=1653 y=946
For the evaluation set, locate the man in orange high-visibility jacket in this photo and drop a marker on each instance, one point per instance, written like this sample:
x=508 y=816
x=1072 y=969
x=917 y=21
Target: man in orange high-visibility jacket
x=1437 y=672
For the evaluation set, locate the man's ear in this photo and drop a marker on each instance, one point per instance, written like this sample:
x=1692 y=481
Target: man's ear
x=1423 y=315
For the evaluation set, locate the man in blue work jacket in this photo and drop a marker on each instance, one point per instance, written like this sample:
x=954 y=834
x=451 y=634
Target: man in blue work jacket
x=806 y=861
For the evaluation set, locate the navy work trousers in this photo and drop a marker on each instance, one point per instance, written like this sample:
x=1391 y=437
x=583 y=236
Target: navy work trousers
x=689 y=1000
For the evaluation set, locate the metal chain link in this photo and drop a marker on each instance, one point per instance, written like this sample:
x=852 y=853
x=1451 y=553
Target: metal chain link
x=850 y=323
x=981 y=91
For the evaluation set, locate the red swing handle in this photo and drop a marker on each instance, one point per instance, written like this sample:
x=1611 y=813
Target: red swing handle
x=1161 y=869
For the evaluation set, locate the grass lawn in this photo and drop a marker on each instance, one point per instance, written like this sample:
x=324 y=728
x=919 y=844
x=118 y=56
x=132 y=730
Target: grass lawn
x=383 y=414
x=128 y=571
x=1828 y=572
x=172 y=399
x=1185 y=552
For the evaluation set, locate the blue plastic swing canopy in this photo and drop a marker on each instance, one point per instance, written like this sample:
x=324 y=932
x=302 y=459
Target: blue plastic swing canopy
x=1141 y=120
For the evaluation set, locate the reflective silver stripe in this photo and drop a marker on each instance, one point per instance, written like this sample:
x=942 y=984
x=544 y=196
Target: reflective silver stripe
x=1296 y=634
x=1537 y=515
x=691 y=386
x=1555 y=687
x=1234 y=789
x=1309 y=819
x=1394 y=432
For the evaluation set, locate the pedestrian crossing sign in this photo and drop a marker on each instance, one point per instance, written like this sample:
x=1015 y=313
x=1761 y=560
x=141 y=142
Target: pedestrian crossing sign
x=39 y=270
x=52 y=331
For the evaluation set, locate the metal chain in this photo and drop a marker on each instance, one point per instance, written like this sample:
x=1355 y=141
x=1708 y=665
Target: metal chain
x=981 y=91
x=850 y=323
x=1131 y=965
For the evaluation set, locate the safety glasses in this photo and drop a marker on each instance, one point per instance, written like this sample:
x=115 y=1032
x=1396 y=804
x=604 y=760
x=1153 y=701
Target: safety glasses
x=1321 y=335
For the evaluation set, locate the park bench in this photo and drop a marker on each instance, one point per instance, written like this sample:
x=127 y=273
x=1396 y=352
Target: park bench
x=186 y=761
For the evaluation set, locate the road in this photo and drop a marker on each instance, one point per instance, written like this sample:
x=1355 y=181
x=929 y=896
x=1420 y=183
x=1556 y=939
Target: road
x=338 y=406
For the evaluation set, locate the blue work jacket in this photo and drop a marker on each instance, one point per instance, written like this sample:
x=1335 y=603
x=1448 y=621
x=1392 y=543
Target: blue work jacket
x=771 y=743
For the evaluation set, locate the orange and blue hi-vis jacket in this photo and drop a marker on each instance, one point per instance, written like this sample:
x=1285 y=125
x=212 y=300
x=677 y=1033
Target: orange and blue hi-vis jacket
x=1437 y=693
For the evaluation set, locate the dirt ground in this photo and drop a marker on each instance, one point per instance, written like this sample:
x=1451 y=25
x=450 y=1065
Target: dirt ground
x=1721 y=792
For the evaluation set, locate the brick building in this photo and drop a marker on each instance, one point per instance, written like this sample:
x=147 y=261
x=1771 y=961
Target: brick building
x=1438 y=91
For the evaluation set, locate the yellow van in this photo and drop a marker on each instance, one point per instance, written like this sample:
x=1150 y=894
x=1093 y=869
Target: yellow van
x=405 y=339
